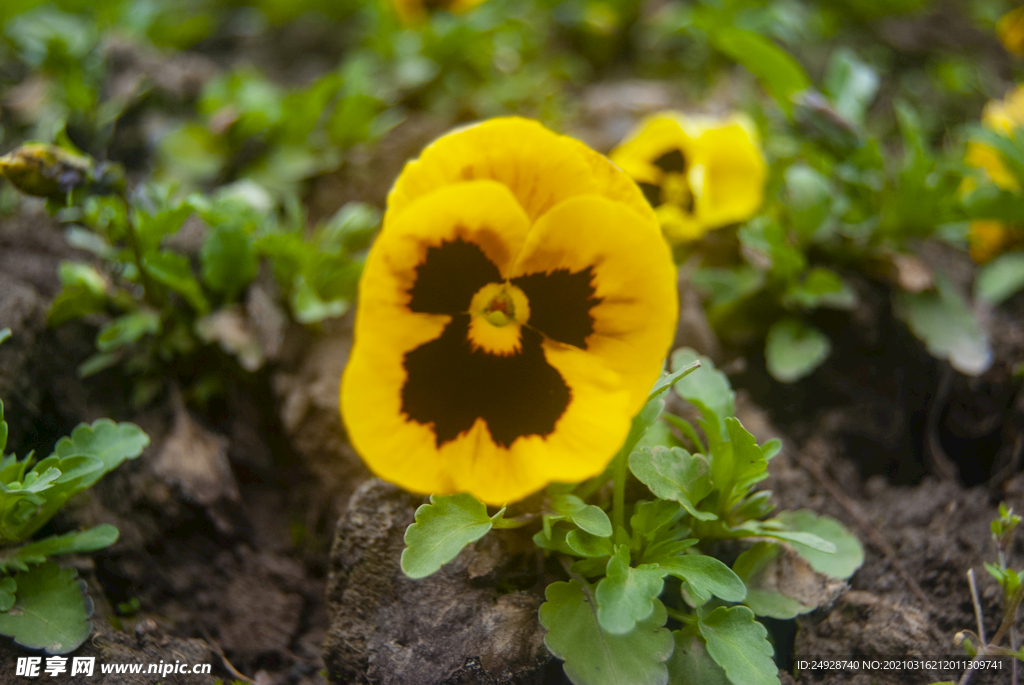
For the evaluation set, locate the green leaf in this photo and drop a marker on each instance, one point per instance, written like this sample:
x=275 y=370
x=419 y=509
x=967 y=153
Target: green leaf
x=8 y=587
x=174 y=271
x=705 y=575
x=309 y=307
x=5 y=333
x=108 y=441
x=780 y=74
x=584 y=544
x=773 y=529
x=820 y=288
x=127 y=329
x=667 y=379
x=752 y=566
x=691 y=663
x=850 y=83
x=849 y=554
x=707 y=388
x=943 y=320
x=595 y=657
x=626 y=595
x=441 y=530
x=810 y=198
x=78 y=542
x=738 y=465
x=228 y=260
x=650 y=517
x=674 y=474
x=50 y=612
x=587 y=516
x=739 y=644
x=793 y=349
x=1000 y=279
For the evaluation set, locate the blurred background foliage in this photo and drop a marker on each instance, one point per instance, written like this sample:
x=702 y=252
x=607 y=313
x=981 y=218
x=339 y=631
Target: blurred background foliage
x=245 y=116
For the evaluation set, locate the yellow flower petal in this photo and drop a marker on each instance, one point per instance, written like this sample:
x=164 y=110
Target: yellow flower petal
x=540 y=167
x=495 y=351
x=729 y=175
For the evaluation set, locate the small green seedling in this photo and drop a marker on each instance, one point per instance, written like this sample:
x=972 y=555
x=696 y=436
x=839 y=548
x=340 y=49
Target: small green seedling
x=635 y=566
x=44 y=606
x=976 y=644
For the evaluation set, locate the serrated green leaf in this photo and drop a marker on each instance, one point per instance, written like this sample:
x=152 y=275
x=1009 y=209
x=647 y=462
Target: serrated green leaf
x=228 y=259
x=8 y=587
x=949 y=329
x=174 y=271
x=706 y=575
x=690 y=663
x=674 y=474
x=441 y=530
x=595 y=657
x=590 y=518
x=849 y=554
x=77 y=542
x=793 y=349
x=110 y=442
x=51 y=610
x=1000 y=279
x=737 y=465
x=780 y=74
x=739 y=644
x=626 y=595
x=773 y=529
x=586 y=545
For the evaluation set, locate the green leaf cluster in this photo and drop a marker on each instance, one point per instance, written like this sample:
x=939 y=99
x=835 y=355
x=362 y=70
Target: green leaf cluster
x=646 y=600
x=43 y=606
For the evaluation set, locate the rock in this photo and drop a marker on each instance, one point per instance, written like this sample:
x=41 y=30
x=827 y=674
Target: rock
x=449 y=628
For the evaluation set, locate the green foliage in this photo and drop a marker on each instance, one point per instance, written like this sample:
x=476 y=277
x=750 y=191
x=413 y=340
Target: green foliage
x=41 y=605
x=1000 y=279
x=442 y=529
x=610 y=619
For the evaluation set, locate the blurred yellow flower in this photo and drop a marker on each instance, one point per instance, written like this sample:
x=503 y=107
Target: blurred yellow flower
x=697 y=173
x=988 y=238
x=415 y=11
x=1010 y=29
x=513 y=315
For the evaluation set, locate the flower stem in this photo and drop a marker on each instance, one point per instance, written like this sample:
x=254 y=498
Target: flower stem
x=681 y=616
x=620 y=468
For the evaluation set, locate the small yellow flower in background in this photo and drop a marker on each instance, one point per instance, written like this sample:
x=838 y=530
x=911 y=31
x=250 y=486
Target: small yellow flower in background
x=414 y=11
x=1010 y=29
x=513 y=315
x=697 y=173
x=988 y=238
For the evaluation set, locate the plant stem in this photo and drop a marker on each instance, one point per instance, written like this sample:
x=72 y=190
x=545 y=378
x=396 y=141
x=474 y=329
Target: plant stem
x=620 y=468
x=680 y=616
x=977 y=605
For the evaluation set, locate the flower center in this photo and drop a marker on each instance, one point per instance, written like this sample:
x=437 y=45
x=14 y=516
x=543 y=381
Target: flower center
x=496 y=313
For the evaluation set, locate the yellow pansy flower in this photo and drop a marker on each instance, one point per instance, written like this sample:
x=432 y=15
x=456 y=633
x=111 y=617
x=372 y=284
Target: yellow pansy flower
x=697 y=173
x=415 y=11
x=513 y=315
